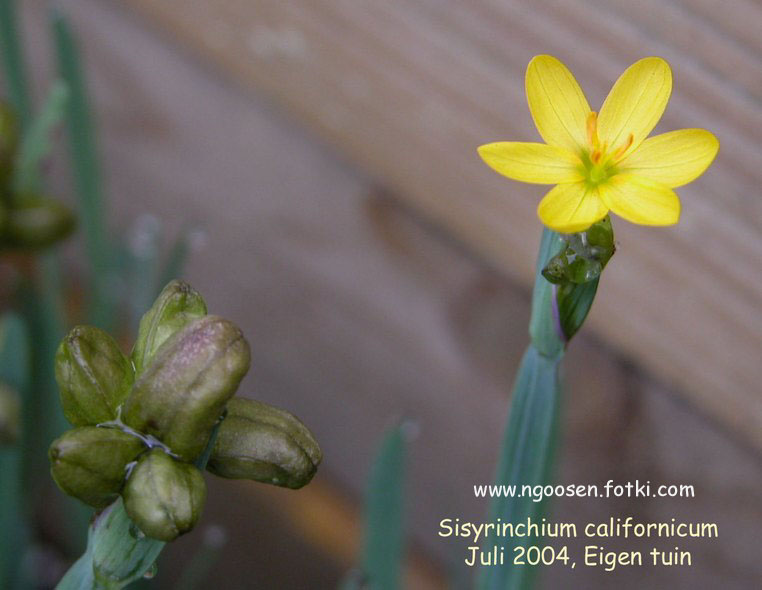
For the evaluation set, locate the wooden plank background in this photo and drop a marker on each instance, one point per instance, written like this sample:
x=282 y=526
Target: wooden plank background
x=360 y=310
x=406 y=90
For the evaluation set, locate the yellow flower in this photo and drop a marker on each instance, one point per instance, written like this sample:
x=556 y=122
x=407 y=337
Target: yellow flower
x=602 y=161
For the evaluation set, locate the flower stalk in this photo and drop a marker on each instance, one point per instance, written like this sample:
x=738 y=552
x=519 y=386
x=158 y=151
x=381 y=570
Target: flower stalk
x=529 y=443
x=528 y=446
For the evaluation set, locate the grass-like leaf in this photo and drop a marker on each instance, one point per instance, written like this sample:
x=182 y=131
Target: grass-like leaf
x=35 y=145
x=12 y=56
x=87 y=172
x=384 y=533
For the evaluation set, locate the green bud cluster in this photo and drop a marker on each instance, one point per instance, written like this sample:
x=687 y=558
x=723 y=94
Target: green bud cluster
x=27 y=221
x=584 y=255
x=145 y=423
x=575 y=272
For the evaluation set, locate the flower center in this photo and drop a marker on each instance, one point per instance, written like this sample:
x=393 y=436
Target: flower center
x=599 y=162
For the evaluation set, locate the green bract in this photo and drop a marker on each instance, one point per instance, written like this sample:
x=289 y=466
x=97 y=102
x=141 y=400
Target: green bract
x=93 y=375
x=89 y=462
x=182 y=393
x=575 y=272
x=176 y=306
x=257 y=441
x=164 y=497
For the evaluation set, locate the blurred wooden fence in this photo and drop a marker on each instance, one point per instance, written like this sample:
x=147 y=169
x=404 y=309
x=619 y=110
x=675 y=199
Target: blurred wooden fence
x=406 y=90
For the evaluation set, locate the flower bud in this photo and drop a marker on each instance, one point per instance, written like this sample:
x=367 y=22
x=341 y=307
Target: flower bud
x=176 y=306
x=179 y=397
x=37 y=223
x=93 y=376
x=89 y=462
x=576 y=270
x=10 y=415
x=584 y=257
x=164 y=497
x=257 y=441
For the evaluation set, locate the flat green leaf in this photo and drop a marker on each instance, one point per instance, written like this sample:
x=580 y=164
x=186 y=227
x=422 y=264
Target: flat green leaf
x=526 y=458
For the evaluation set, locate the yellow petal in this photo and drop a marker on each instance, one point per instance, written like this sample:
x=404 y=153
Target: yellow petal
x=675 y=158
x=558 y=106
x=635 y=104
x=641 y=200
x=532 y=162
x=572 y=207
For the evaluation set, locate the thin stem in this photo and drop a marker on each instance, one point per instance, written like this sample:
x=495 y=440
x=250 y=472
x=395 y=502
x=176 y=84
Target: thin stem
x=528 y=447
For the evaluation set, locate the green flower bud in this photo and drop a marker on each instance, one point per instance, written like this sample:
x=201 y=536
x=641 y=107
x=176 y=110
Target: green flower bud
x=37 y=223
x=164 y=497
x=175 y=307
x=93 y=375
x=584 y=257
x=179 y=397
x=89 y=462
x=257 y=441
x=576 y=270
x=10 y=415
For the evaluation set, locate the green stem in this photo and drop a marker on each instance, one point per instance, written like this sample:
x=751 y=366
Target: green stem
x=14 y=539
x=117 y=552
x=529 y=441
x=544 y=329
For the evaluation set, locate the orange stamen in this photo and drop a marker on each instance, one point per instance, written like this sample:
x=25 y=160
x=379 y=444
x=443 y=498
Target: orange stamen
x=592 y=129
x=621 y=151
